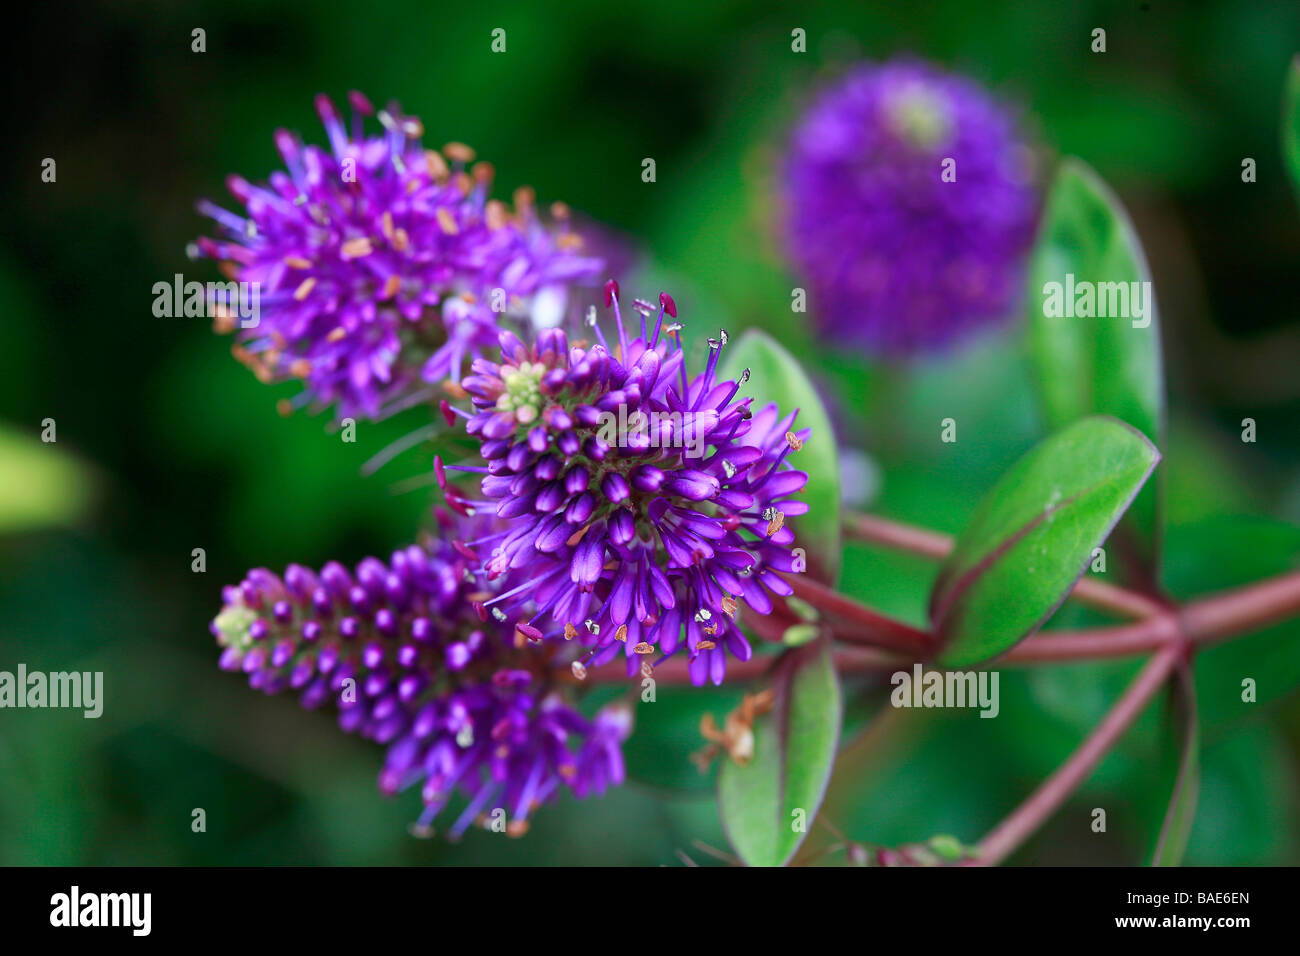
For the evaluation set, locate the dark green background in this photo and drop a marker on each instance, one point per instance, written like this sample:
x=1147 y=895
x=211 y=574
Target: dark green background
x=165 y=444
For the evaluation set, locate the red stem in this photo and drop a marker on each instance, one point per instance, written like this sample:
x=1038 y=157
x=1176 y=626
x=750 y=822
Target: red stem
x=1204 y=621
x=1043 y=802
x=1230 y=612
x=887 y=643
x=876 y=629
x=1169 y=631
x=932 y=544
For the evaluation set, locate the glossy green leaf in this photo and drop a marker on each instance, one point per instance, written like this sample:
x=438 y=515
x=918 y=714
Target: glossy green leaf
x=1098 y=365
x=776 y=376
x=1291 y=122
x=1171 y=845
x=768 y=804
x=1033 y=535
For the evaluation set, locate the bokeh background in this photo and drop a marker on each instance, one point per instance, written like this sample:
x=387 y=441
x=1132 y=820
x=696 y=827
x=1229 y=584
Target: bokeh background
x=165 y=444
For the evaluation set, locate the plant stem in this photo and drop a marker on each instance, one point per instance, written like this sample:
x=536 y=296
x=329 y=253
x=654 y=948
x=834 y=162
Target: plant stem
x=1200 y=622
x=884 y=642
x=876 y=629
x=1043 y=802
x=932 y=544
x=1244 y=609
x=1204 y=621
x=1101 y=643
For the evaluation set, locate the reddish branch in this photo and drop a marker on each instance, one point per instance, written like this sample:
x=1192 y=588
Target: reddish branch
x=932 y=544
x=1171 y=632
x=881 y=642
x=1052 y=792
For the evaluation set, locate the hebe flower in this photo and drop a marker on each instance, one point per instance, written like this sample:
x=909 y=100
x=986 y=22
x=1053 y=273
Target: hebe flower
x=896 y=258
x=415 y=662
x=640 y=505
x=381 y=263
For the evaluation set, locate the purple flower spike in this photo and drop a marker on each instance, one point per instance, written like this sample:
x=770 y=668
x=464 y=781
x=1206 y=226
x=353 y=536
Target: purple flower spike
x=379 y=263
x=909 y=208
x=639 y=505
x=463 y=707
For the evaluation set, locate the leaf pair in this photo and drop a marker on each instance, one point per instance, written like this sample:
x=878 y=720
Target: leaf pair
x=1099 y=364
x=1102 y=389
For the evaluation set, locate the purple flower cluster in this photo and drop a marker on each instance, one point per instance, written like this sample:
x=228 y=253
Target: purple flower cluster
x=380 y=263
x=638 y=504
x=416 y=662
x=909 y=207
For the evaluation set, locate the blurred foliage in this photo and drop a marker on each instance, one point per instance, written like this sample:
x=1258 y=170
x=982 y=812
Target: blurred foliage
x=186 y=450
x=40 y=485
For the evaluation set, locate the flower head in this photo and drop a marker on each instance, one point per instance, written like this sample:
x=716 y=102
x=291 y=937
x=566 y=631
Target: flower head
x=639 y=504
x=380 y=263
x=909 y=207
x=415 y=662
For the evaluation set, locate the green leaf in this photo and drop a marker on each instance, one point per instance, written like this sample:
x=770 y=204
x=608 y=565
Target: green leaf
x=1171 y=845
x=768 y=804
x=1107 y=366
x=775 y=376
x=1291 y=122
x=1033 y=535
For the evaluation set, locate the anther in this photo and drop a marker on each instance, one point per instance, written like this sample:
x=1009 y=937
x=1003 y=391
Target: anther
x=447 y=222
x=459 y=153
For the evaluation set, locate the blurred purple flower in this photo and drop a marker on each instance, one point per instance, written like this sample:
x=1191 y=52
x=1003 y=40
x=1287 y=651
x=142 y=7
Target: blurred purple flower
x=639 y=504
x=897 y=259
x=415 y=662
x=381 y=263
